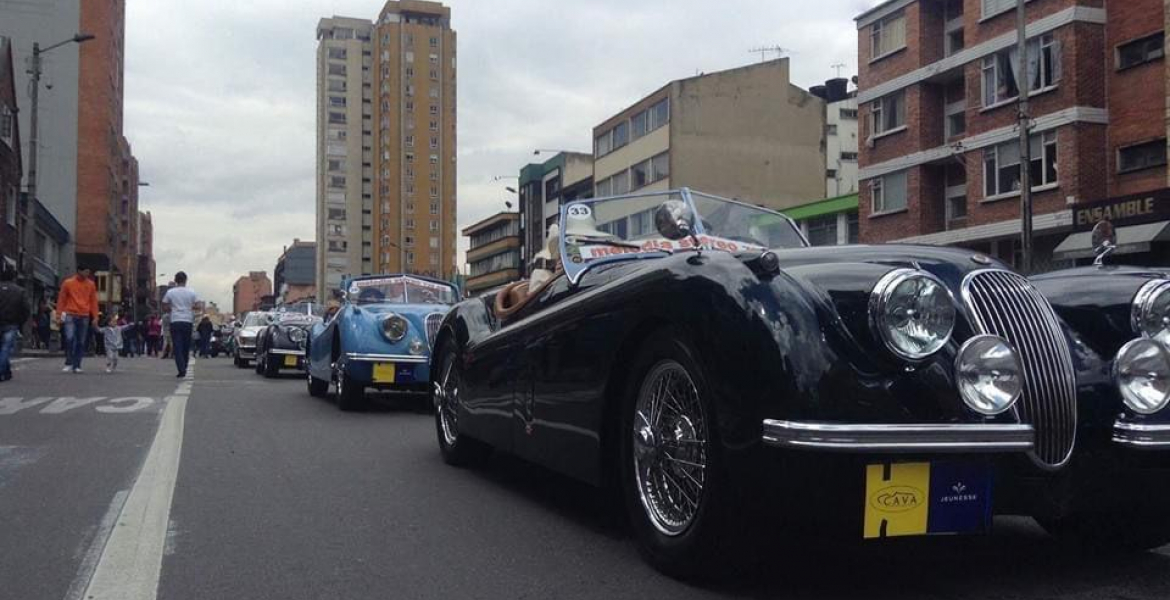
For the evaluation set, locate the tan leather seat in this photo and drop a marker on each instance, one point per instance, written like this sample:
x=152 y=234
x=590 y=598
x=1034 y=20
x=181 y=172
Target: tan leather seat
x=517 y=295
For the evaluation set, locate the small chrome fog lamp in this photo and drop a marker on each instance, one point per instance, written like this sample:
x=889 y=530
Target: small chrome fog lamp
x=989 y=374
x=1142 y=372
x=417 y=347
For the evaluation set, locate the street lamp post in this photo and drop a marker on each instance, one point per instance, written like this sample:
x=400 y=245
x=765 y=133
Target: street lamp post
x=25 y=236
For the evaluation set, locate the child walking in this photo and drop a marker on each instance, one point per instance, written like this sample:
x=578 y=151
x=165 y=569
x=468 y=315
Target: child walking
x=112 y=335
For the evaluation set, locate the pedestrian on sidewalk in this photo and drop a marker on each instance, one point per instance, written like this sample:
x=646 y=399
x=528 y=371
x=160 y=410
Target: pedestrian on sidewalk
x=112 y=334
x=44 y=326
x=14 y=311
x=77 y=304
x=182 y=302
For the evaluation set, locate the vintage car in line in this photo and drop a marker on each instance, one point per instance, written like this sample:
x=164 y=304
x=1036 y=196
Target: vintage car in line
x=693 y=353
x=281 y=345
x=244 y=338
x=380 y=337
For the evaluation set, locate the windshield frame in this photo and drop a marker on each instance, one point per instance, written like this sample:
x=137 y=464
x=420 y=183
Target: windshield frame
x=574 y=271
x=353 y=289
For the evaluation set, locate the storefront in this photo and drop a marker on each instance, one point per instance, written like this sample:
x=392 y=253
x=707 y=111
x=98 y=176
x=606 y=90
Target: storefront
x=1141 y=223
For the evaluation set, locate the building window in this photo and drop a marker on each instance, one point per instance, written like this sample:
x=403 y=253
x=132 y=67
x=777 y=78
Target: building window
x=849 y=156
x=831 y=129
x=434 y=42
x=994 y=7
x=621 y=135
x=434 y=243
x=434 y=208
x=337 y=102
x=660 y=167
x=434 y=142
x=621 y=182
x=337 y=53
x=889 y=193
x=1144 y=50
x=434 y=191
x=337 y=70
x=10 y=210
x=640 y=174
x=888 y=35
x=409 y=56
x=335 y=165
x=408 y=241
x=434 y=58
x=434 y=226
x=434 y=260
x=660 y=114
x=434 y=92
x=410 y=208
x=337 y=118
x=338 y=246
x=822 y=231
x=603 y=144
x=409 y=106
x=434 y=159
x=1141 y=156
x=603 y=188
x=639 y=123
x=410 y=258
x=854 y=221
x=336 y=85
x=999 y=70
x=409 y=158
x=1001 y=165
x=434 y=125
x=849 y=113
x=434 y=109
x=336 y=214
x=434 y=74
x=409 y=141
x=336 y=181
x=889 y=113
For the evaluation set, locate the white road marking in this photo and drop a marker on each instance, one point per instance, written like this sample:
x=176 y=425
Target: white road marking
x=10 y=406
x=134 y=404
x=97 y=544
x=61 y=405
x=131 y=559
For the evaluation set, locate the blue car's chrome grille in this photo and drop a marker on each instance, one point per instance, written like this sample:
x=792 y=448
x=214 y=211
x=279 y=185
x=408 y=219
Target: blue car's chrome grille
x=433 y=322
x=1005 y=304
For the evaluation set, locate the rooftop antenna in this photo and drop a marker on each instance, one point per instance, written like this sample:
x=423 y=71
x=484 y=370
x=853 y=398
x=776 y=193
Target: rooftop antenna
x=765 y=50
x=838 y=67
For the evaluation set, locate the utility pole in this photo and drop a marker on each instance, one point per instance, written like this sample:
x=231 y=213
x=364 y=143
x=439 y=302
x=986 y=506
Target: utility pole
x=1023 y=85
x=26 y=228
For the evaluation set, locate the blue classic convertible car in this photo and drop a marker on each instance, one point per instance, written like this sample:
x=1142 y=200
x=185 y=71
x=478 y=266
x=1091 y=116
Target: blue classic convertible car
x=379 y=338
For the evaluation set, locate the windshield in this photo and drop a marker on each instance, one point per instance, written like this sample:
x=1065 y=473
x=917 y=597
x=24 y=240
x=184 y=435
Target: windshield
x=623 y=228
x=257 y=319
x=402 y=290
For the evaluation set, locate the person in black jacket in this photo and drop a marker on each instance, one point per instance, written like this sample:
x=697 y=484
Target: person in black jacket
x=14 y=313
x=205 y=328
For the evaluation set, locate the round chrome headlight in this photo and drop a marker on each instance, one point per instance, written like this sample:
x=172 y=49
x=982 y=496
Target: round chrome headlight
x=296 y=334
x=394 y=327
x=417 y=347
x=1142 y=371
x=989 y=374
x=1151 y=311
x=912 y=313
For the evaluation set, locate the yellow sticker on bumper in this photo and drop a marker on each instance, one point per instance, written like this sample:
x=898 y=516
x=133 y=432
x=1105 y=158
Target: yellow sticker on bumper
x=896 y=499
x=290 y=360
x=384 y=373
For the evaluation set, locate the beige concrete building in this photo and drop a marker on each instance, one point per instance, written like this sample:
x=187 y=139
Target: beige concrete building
x=345 y=156
x=414 y=139
x=743 y=133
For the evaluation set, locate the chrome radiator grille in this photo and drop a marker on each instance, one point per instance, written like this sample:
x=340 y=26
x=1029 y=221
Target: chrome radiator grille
x=433 y=322
x=1005 y=304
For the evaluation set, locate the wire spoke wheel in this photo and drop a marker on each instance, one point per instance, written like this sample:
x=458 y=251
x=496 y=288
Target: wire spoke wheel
x=670 y=447
x=448 y=403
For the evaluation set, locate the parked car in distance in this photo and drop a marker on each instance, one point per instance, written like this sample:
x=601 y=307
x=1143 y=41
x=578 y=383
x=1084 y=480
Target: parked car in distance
x=694 y=352
x=281 y=345
x=380 y=337
x=245 y=337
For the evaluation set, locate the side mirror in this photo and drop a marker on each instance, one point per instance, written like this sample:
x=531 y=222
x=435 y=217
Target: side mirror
x=1104 y=242
x=674 y=220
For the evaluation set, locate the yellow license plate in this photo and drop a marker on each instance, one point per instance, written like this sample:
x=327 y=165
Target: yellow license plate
x=896 y=501
x=290 y=360
x=384 y=373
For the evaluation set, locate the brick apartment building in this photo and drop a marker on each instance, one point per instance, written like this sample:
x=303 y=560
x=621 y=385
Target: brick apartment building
x=939 y=155
x=249 y=292
x=10 y=157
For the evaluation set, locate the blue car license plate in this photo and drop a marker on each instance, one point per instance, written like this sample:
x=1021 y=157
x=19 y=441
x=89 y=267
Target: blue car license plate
x=927 y=498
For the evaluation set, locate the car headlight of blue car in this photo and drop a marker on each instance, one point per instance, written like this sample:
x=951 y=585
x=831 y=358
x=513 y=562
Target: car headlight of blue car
x=395 y=327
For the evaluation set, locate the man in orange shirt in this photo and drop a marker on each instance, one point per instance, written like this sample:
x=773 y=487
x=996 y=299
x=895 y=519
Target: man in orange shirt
x=76 y=305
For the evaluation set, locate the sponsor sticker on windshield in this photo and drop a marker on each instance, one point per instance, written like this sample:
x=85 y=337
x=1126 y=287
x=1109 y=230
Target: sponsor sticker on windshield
x=707 y=242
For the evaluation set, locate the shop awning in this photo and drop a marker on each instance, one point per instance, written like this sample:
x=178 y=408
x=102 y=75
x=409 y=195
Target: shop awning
x=1130 y=240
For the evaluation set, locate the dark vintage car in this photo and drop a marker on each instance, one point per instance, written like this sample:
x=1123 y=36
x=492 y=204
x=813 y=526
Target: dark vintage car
x=281 y=345
x=380 y=338
x=731 y=381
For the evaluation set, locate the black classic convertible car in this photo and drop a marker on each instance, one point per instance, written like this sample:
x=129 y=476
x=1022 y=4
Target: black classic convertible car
x=281 y=345
x=693 y=353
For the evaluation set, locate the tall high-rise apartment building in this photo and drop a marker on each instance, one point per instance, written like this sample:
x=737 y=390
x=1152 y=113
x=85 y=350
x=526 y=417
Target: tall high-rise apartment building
x=345 y=169
x=87 y=175
x=386 y=144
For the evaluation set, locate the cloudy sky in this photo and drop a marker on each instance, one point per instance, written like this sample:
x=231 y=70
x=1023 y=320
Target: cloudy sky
x=220 y=99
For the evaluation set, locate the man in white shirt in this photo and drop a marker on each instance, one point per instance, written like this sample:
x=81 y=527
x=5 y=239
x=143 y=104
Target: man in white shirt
x=182 y=302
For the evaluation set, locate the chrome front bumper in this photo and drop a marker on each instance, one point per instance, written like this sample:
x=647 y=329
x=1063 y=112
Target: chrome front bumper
x=246 y=350
x=900 y=438
x=384 y=358
x=286 y=352
x=1142 y=436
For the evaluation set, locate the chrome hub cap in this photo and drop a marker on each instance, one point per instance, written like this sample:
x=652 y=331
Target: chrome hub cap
x=447 y=404
x=670 y=448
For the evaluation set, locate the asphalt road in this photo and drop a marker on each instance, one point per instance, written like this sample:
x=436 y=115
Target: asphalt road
x=280 y=495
